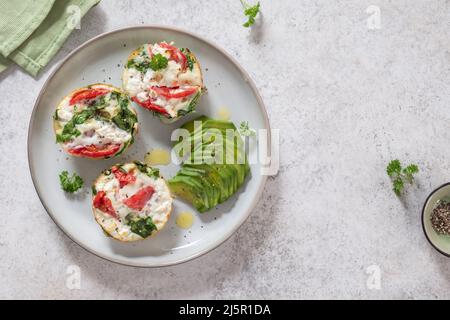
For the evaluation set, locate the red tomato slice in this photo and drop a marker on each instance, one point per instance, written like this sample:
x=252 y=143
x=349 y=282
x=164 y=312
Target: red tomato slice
x=92 y=151
x=103 y=203
x=138 y=200
x=175 y=54
x=150 y=105
x=87 y=94
x=123 y=177
x=169 y=93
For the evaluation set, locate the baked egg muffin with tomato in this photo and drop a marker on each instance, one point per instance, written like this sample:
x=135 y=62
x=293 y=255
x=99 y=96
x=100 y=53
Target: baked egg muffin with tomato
x=131 y=201
x=163 y=79
x=96 y=122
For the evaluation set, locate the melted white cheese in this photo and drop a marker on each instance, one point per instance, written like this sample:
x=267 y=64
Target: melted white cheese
x=156 y=48
x=98 y=133
x=66 y=111
x=133 y=83
x=170 y=74
x=192 y=78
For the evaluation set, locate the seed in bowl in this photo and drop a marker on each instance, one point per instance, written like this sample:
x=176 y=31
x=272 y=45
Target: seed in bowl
x=440 y=217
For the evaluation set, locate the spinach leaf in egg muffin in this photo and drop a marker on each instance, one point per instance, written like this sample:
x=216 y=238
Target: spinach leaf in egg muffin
x=143 y=227
x=96 y=122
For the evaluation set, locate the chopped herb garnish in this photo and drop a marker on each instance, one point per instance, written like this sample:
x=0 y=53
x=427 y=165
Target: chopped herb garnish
x=158 y=62
x=70 y=183
x=141 y=67
x=400 y=175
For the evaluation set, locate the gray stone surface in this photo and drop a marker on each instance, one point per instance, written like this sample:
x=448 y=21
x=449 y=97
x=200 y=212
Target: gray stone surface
x=347 y=100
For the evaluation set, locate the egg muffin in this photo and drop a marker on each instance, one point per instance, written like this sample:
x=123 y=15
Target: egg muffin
x=97 y=121
x=131 y=201
x=163 y=79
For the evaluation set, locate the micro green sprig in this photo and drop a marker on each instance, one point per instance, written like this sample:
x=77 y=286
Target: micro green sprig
x=400 y=175
x=251 y=12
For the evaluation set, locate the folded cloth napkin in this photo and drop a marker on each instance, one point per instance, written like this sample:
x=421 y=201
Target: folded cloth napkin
x=32 y=31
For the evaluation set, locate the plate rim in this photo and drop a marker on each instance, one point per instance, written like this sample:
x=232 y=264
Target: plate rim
x=261 y=106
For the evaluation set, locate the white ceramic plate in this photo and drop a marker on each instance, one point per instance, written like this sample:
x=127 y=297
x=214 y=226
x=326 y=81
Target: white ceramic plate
x=101 y=60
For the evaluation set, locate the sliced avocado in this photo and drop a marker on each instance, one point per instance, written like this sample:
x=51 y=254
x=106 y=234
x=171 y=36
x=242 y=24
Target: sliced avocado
x=219 y=125
x=201 y=138
x=229 y=177
x=190 y=124
x=185 y=191
x=212 y=177
x=203 y=176
x=207 y=123
x=240 y=168
x=234 y=172
x=190 y=189
x=209 y=193
x=206 y=184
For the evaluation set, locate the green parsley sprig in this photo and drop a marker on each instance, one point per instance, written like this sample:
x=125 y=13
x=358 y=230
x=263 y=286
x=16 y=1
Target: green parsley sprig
x=158 y=62
x=400 y=175
x=70 y=183
x=251 y=12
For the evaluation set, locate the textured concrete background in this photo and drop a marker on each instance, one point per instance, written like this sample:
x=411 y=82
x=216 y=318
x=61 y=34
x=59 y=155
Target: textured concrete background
x=347 y=100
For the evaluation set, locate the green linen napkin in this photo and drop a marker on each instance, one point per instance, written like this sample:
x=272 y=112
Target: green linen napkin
x=4 y=63
x=18 y=20
x=45 y=38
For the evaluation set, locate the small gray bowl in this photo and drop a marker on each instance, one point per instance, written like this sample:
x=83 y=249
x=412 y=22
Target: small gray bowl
x=440 y=242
